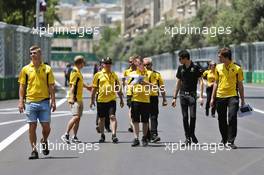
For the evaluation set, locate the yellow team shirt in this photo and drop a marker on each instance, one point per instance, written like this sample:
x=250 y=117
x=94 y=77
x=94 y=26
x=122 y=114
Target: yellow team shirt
x=141 y=93
x=156 y=80
x=128 y=80
x=36 y=81
x=209 y=75
x=227 y=79
x=107 y=84
x=76 y=80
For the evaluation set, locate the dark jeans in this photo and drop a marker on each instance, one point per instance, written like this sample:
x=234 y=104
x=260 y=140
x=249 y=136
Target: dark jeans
x=188 y=102
x=154 y=112
x=209 y=91
x=227 y=108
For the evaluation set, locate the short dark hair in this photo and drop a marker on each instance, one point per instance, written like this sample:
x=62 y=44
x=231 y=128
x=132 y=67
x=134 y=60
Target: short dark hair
x=184 y=54
x=139 y=58
x=226 y=52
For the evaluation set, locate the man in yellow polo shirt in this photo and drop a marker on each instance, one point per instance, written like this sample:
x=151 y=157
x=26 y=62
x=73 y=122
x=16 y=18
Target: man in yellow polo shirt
x=159 y=86
x=209 y=77
x=75 y=99
x=229 y=82
x=140 y=102
x=35 y=91
x=126 y=82
x=106 y=84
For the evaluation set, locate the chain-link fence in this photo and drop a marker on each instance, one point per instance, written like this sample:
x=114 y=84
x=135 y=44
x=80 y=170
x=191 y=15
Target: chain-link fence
x=249 y=55
x=15 y=42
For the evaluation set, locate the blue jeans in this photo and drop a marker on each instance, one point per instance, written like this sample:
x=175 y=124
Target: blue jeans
x=38 y=111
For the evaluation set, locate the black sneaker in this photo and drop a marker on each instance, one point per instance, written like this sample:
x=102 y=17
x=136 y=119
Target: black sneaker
x=135 y=143
x=155 y=139
x=144 y=141
x=187 y=142
x=114 y=138
x=34 y=155
x=45 y=147
x=130 y=129
x=213 y=115
x=75 y=140
x=232 y=145
x=194 y=139
x=65 y=138
x=102 y=139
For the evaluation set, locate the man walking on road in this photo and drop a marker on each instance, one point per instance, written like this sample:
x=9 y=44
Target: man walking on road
x=37 y=98
x=140 y=102
x=75 y=99
x=106 y=84
x=229 y=81
x=188 y=75
x=158 y=83
x=126 y=84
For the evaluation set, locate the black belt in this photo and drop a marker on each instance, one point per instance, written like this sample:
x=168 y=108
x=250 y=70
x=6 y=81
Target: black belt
x=39 y=101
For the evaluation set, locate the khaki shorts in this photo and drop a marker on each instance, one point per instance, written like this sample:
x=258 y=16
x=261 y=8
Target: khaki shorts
x=77 y=108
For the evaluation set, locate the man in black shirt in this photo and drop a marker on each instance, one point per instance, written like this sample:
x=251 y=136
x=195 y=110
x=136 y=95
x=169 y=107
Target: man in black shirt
x=188 y=75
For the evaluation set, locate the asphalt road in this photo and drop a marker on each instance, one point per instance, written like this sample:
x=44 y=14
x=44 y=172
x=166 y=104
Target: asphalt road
x=120 y=159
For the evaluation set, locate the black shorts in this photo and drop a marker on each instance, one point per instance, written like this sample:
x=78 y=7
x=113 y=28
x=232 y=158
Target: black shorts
x=129 y=97
x=140 y=112
x=154 y=105
x=106 y=109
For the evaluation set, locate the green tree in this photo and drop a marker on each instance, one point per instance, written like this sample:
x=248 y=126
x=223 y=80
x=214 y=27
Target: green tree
x=21 y=12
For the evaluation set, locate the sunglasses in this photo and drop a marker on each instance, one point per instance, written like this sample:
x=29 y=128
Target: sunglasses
x=147 y=64
x=33 y=53
x=108 y=63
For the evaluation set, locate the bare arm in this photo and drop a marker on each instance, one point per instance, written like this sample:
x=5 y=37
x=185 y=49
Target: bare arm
x=201 y=91
x=21 y=104
x=178 y=86
x=94 y=90
x=52 y=96
x=241 y=92
x=215 y=86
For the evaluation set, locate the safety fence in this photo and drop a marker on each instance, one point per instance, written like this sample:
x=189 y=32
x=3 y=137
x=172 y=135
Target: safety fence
x=15 y=42
x=249 y=55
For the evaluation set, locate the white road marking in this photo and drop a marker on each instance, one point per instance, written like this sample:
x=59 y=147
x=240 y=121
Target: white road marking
x=59 y=114
x=5 y=143
x=8 y=109
x=10 y=139
x=254 y=87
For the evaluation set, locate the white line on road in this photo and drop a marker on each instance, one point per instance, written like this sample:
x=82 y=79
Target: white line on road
x=8 y=109
x=5 y=143
x=59 y=114
x=254 y=87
